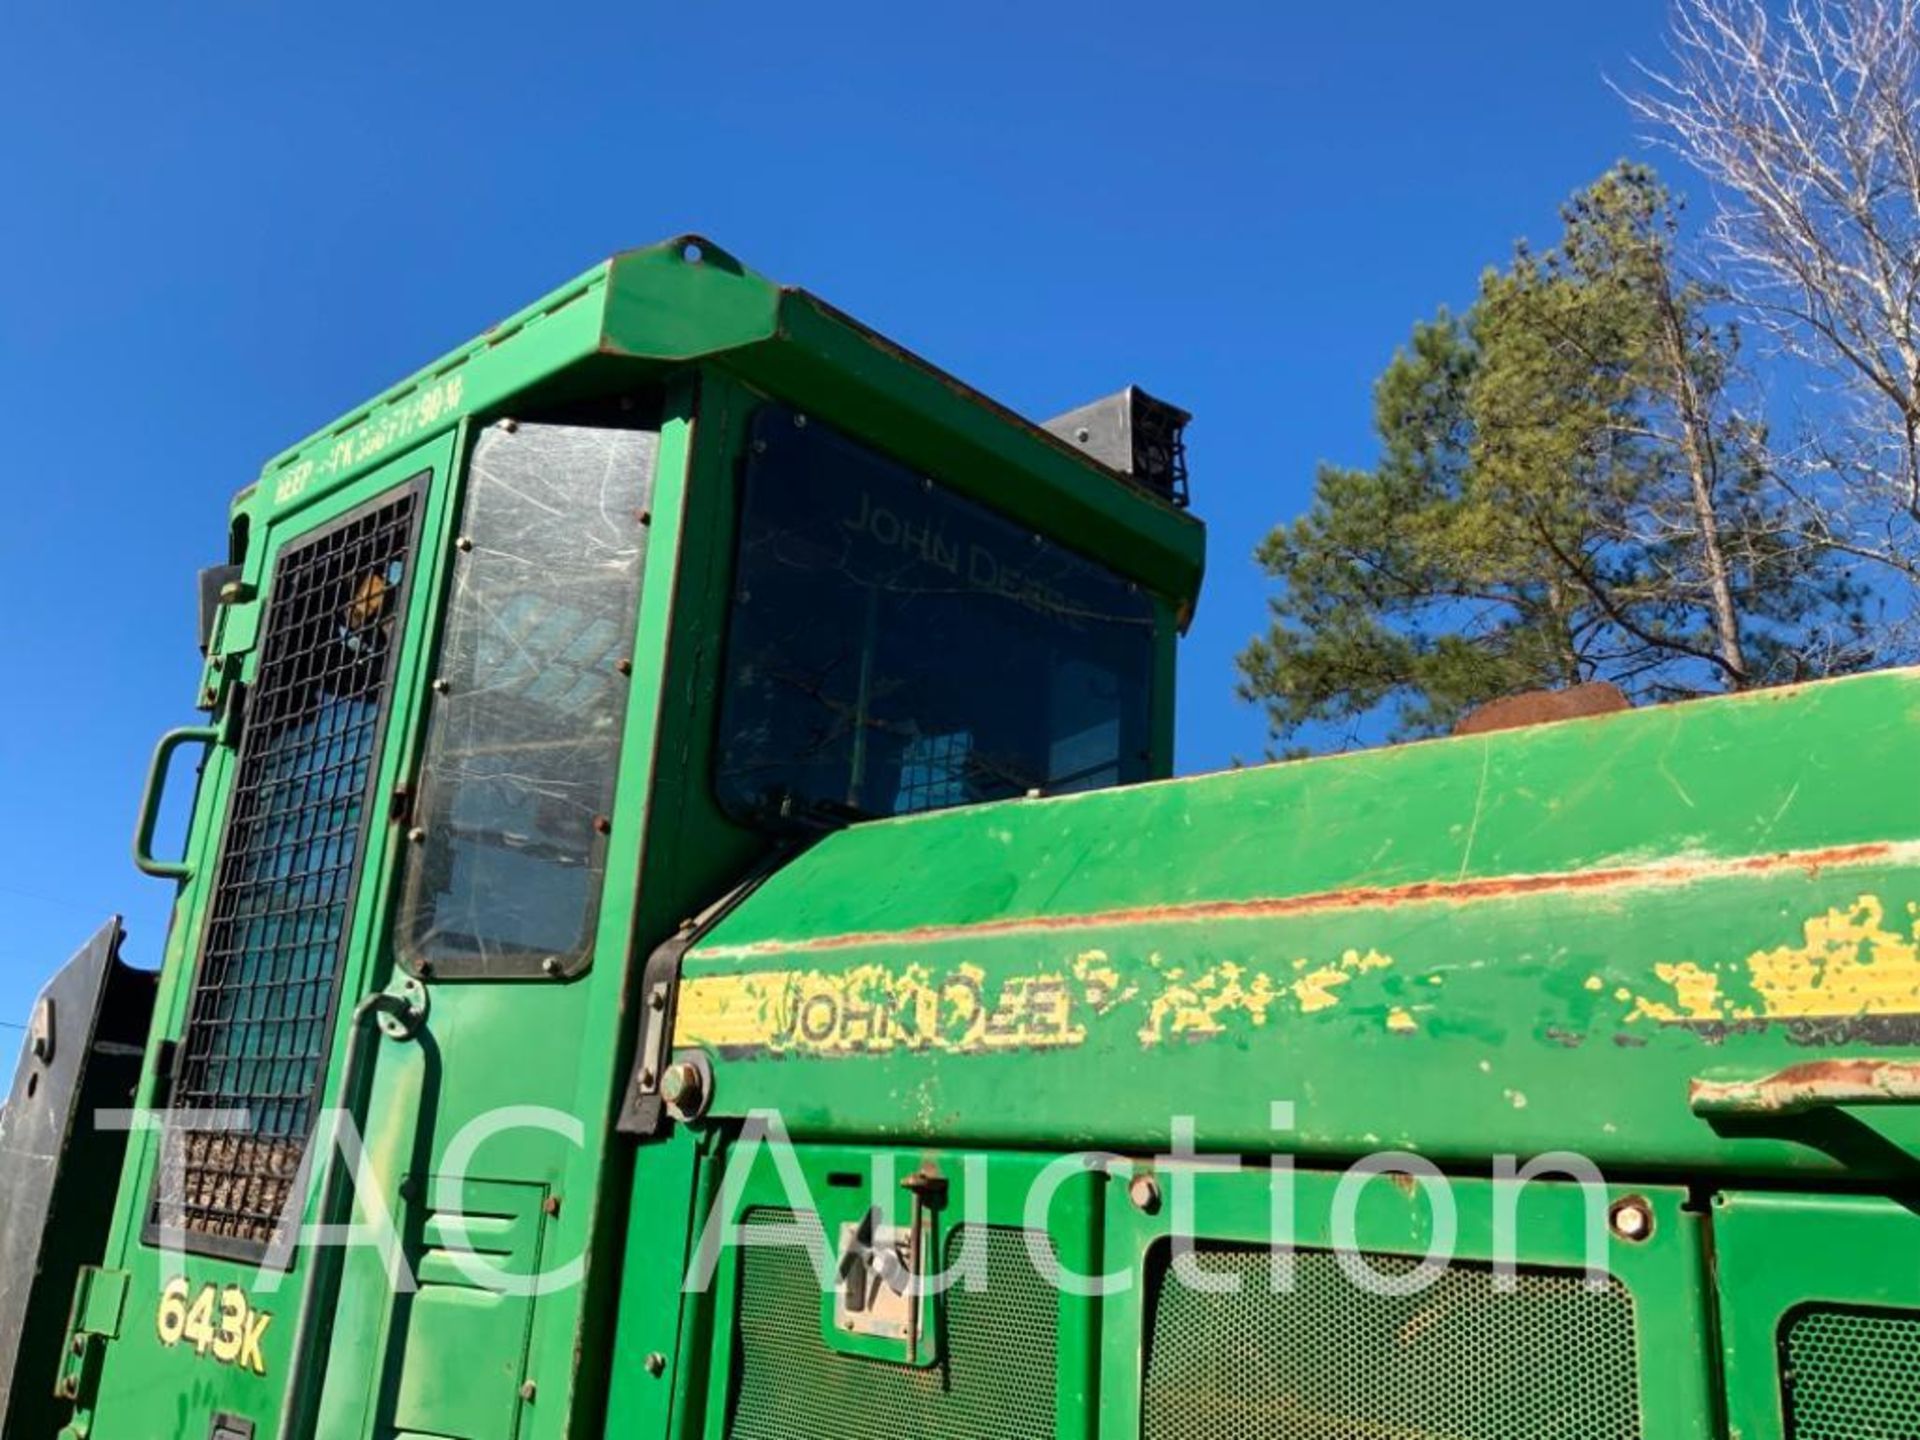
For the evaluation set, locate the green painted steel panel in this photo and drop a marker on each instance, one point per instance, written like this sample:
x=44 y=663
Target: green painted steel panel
x=1819 y=1299
x=994 y=1375
x=1852 y=1374
x=463 y=1331
x=1521 y=941
x=1594 y=1336
x=1461 y=1358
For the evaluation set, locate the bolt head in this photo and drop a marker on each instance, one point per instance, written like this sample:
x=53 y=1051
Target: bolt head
x=41 y=1034
x=656 y=1364
x=1144 y=1191
x=1631 y=1219
x=680 y=1085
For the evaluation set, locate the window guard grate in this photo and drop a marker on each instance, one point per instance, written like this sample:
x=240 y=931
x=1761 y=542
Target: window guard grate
x=261 y=1014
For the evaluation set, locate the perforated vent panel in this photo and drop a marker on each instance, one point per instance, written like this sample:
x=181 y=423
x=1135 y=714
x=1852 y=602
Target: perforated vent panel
x=263 y=1000
x=1331 y=1361
x=994 y=1379
x=1853 y=1374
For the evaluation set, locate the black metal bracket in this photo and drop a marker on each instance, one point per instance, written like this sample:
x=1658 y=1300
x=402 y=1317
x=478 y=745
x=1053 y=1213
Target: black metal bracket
x=643 y=1111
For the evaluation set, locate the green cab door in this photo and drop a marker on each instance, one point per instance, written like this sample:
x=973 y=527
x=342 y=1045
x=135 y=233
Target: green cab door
x=509 y=922
x=268 y=963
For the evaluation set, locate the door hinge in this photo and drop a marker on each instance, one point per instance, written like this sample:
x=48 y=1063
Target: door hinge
x=233 y=714
x=166 y=1067
x=99 y=1303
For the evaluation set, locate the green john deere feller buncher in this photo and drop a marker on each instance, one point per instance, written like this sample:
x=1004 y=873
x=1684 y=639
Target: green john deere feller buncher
x=683 y=852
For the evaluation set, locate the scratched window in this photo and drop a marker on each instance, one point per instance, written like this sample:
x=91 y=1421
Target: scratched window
x=528 y=701
x=895 y=648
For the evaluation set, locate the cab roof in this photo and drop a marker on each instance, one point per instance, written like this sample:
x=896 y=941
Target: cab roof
x=687 y=302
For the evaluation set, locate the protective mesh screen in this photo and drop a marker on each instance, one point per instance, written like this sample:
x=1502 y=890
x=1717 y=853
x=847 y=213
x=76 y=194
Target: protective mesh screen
x=1459 y=1360
x=1853 y=1374
x=257 y=1031
x=994 y=1379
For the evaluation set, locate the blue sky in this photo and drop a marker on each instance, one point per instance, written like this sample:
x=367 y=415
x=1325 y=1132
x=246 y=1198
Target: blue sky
x=227 y=223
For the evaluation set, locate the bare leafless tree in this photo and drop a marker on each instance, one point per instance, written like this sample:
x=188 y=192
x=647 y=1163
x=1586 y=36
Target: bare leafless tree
x=1805 y=120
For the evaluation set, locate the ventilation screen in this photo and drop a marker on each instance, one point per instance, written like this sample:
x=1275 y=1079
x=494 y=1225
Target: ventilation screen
x=994 y=1379
x=1459 y=1360
x=1853 y=1375
x=256 y=1037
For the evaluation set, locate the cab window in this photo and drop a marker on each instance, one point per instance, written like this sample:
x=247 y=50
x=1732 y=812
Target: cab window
x=529 y=700
x=895 y=647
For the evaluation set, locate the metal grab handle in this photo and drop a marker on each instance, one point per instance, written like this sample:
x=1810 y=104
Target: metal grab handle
x=1814 y=1085
x=155 y=791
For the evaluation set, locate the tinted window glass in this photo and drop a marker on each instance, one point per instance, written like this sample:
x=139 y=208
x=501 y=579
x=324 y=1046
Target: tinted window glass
x=529 y=702
x=895 y=647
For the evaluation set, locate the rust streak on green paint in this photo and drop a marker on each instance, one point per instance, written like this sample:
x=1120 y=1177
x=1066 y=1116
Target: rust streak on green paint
x=1455 y=892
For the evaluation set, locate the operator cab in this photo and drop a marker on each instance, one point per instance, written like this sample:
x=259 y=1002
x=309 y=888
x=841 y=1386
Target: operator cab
x=509 y=672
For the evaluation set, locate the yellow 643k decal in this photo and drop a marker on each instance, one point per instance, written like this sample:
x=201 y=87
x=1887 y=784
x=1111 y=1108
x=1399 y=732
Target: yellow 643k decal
x=215 y=1322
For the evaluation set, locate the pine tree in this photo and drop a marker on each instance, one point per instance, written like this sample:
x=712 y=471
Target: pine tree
x=1566 y=491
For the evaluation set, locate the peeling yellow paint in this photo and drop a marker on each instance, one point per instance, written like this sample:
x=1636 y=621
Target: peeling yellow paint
x=1595 y=983
x=873 y=1009
x=1696 y=990
x=1401 y=1020
x=1195 y=1009
x=1696 y=995
x=1100 y=982
x=1315 y=990
x=1848 y=964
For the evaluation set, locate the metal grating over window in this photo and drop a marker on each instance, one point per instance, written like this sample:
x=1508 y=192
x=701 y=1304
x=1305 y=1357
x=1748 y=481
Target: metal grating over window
x=1852 y=1374
x=1458 y=1360
x=263 y=1000
x=994 y=1379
